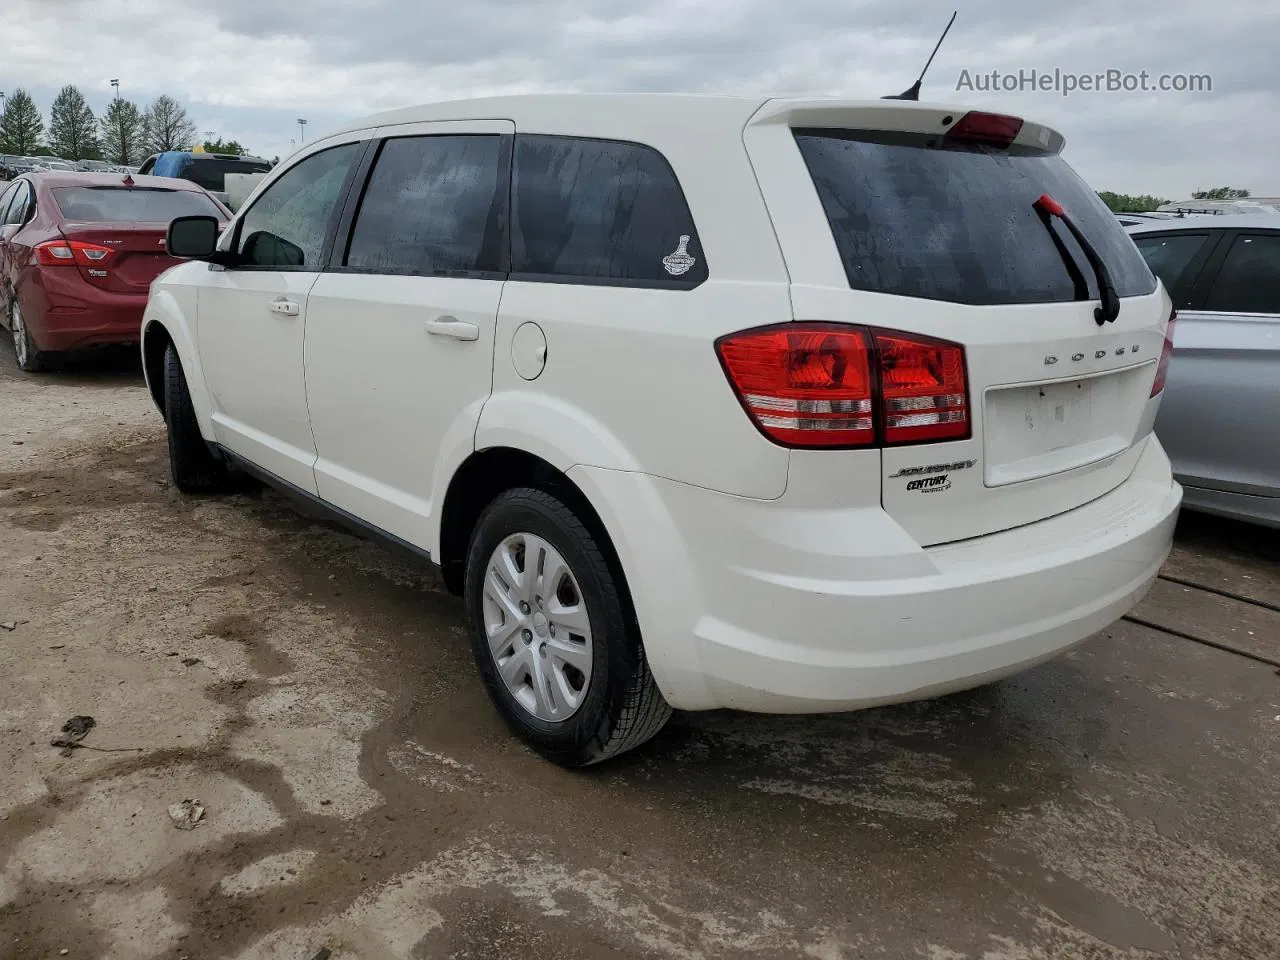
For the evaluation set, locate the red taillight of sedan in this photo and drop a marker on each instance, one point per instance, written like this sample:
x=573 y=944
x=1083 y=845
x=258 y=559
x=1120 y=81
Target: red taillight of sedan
x=70 y=253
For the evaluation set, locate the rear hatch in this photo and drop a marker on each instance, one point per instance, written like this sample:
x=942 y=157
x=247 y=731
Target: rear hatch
x=937 y=233
x=118 y=232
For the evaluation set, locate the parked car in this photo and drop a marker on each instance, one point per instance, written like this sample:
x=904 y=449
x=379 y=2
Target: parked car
x=1223 y=398
x=15 y=166
x=55 y=166
x=77 y=254
x=1133 y=219
x=93 y=166
x=210 y=170
x=698 y=402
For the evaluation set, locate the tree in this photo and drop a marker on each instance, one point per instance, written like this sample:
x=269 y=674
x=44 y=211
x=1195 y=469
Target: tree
x=167 y=126
x=21 y=125
x=122 y=133
x=1123 y=203
x=224 y=146
x=73 y=130
x=1220 y=193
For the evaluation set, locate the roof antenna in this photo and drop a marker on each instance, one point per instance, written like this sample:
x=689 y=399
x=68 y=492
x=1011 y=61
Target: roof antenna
x=913 y=92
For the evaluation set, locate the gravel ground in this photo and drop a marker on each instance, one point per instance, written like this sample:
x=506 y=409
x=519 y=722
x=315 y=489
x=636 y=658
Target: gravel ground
x=316 y=694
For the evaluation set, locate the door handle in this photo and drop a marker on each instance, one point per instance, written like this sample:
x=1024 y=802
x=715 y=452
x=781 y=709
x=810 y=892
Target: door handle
x=453 y=327
x=286 y=308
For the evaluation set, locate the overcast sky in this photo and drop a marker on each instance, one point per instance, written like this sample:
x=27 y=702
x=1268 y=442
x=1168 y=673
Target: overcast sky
x=247 y=69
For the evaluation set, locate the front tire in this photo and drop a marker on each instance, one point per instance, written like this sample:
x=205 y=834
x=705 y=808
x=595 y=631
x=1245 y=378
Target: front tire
x=30 y=357
x=554 y=638
x=194 y=467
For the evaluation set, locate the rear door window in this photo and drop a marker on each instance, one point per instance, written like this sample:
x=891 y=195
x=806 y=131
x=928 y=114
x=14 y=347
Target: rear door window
x=916 y=220
x=1169 y=255
x=434 y=206
x=124 y=204
x=1249 y=280
x=602 y=211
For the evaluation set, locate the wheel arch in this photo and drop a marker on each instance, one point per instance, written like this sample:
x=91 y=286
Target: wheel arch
x=485 y=475
x=166 y=321
x=155 y=342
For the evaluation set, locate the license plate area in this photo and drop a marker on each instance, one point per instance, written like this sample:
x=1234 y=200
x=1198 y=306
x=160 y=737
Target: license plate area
x=1036 y=430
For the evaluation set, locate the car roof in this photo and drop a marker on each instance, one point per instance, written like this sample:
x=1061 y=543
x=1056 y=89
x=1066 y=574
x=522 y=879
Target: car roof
x=569 y=105
x=78 y=178
x=612 y=115
x=1218 y=221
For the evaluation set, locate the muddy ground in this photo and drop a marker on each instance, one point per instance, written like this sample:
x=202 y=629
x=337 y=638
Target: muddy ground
x=316 y=693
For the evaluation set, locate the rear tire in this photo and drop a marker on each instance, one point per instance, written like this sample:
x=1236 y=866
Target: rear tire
x=194 y=467
x=30 y=357
x=612 y=704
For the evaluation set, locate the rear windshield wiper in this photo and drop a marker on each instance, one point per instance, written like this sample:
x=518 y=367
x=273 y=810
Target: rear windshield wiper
x=1110 y=307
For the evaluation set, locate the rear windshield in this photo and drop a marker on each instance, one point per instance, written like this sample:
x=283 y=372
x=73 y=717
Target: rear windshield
x=212 y=174
x=912 y=219
x=144 y=204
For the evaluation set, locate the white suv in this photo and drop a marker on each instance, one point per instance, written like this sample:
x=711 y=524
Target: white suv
x=774 y=405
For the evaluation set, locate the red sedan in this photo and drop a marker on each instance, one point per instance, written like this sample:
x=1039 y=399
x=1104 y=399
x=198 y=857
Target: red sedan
x=78 y=252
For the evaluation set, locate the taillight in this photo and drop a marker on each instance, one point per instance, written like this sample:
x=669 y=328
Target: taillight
x=1166 y=354
x=67 y=253
x=993 y=129
x=804 y=385
x=925 y=389
x=834 y=385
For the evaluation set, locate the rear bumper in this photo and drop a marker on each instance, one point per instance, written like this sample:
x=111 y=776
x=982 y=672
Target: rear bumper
x=748 y=605
x=63 y=312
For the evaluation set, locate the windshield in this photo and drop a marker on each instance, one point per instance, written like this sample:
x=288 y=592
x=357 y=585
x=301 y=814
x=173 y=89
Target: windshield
x=143 y=204
x=960 y=225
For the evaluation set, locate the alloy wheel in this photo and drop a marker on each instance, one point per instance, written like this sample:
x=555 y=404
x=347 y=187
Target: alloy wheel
x=537 y=626
x=19 y=331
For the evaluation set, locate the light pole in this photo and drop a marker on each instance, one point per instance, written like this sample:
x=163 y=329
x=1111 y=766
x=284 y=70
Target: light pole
x=116 y=84
x=302 y=130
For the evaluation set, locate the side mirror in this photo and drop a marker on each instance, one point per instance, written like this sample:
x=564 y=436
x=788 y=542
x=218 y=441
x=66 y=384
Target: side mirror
x=192 y=238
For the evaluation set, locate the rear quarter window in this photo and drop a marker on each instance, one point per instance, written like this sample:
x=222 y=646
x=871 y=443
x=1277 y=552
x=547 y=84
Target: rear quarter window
x=601 y=211
x=912 y=219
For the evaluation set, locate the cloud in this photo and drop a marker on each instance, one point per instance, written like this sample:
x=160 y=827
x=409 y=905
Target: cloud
x=249 y=68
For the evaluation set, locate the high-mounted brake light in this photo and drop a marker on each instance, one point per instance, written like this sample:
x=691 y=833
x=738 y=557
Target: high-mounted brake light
x=1166 y=354
x=67 y=253
x=993 y=129
x=830 y=385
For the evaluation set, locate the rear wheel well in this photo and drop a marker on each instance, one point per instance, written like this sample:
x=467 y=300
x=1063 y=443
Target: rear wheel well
x=155 y=341
x=488 y=473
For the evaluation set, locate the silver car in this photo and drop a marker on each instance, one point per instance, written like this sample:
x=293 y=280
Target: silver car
x=1220 y=418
